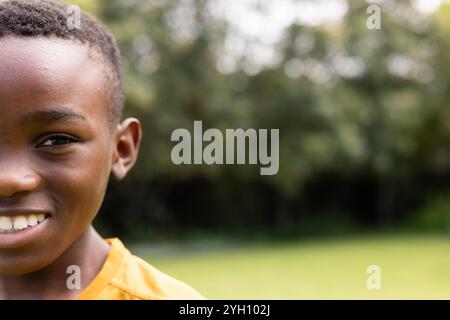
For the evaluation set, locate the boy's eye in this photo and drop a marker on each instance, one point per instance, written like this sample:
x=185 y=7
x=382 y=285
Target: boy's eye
x=57 y=140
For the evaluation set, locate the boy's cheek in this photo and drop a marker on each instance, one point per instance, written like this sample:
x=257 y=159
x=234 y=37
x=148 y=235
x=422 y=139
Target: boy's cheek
x=77 y=187
x=75 y=194
x=81 y=188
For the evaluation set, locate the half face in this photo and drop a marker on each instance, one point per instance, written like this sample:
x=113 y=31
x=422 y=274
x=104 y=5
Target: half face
x=55 y=149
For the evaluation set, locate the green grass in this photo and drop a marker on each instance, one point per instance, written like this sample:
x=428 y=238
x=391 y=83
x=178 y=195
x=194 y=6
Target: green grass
x=412 y=267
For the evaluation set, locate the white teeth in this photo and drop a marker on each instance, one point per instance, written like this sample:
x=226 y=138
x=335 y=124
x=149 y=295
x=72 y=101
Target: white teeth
x=5 y=223
x=20 y=223
x=32 y=220
x=17 y=223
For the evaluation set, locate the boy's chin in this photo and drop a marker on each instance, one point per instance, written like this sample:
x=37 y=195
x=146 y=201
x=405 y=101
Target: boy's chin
x=20 y=266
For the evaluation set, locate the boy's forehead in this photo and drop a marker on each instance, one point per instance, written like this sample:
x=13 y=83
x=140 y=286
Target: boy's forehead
x=44 y=59
x=49 y=71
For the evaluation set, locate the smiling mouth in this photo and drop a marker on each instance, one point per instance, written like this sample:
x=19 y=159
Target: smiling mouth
x=20 y=222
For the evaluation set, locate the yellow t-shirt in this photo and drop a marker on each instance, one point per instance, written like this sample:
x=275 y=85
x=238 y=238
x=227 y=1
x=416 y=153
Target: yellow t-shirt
x=127 y=277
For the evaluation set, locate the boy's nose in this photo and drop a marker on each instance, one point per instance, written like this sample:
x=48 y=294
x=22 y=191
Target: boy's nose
x=14 y=182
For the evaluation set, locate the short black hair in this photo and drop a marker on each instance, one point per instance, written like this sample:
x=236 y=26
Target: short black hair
x=31 y=18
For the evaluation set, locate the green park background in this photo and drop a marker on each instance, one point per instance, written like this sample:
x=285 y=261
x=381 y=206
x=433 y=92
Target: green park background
x=364 y=120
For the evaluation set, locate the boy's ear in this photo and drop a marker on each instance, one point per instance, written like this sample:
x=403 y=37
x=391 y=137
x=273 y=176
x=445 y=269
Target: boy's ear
x=126 y=147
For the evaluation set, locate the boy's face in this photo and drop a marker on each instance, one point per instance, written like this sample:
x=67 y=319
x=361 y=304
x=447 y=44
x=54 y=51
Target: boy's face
x=56 y=149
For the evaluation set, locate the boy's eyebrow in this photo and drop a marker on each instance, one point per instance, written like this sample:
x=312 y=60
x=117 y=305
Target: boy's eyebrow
x=51 y=115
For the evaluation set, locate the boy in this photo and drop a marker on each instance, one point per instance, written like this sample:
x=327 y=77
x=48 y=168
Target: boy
x=61 y=139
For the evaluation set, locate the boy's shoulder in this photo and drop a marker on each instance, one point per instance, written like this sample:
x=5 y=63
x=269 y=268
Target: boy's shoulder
x=125 y=276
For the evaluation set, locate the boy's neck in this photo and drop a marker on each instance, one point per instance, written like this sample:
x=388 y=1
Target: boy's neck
x=88 y=252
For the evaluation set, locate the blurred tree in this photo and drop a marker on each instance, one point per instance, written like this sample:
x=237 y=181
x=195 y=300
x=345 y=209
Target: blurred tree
x=363 y=114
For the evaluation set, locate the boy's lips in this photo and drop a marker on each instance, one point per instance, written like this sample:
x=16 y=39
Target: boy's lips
x=21 y=226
